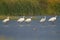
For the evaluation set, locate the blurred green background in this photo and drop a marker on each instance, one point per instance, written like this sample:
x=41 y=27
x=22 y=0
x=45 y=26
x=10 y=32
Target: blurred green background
x=29 y=7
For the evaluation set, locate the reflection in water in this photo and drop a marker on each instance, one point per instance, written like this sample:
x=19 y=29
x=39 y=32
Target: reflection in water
x=6 y=25
x=21 y=25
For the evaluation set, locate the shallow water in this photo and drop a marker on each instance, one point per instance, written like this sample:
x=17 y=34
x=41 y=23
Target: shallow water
x=31 y=31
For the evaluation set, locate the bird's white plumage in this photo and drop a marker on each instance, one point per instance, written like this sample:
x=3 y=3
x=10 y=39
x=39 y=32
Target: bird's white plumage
x=43 y=19
x=52 y=18
x=21 y=19
x=6 y=20
x=28 y=20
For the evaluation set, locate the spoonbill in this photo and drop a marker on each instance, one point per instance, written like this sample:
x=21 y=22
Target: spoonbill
x=43 y=19
x=6 y=20
x=21 y=19
x=52 y=19
x=28 y=19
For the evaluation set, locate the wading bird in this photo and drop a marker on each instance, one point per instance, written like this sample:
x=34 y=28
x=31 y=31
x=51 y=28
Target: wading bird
x=28 y=20
x=43 y=19
x=52 y=19
x=6 y=20
x=21 y=19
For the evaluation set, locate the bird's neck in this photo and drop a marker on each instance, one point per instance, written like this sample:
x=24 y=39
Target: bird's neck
x=7 y=17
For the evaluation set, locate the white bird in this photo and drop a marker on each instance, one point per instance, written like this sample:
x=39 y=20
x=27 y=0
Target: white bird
x=52 y=19
x=43 y=19
x=28 y=19
x=21 y=19
x=6 y=20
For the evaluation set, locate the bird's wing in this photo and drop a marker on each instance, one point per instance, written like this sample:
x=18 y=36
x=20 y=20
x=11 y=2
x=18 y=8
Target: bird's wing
x=42 y=19
x=22 y=19
x=5 y=20
x=51 y=19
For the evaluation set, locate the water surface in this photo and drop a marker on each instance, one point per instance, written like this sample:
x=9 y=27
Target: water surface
x=31 y=31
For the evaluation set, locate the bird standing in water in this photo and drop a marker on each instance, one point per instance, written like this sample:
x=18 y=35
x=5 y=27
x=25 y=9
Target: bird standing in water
x=28 y=20
x=43 y=19
x=21 y=19
x=6 y=20
x=52 y=19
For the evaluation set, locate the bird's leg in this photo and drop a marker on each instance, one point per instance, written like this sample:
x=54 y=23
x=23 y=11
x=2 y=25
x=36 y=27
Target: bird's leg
x=19 y=22
x=43 y=23
x=28 y=23
x=53 y=23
